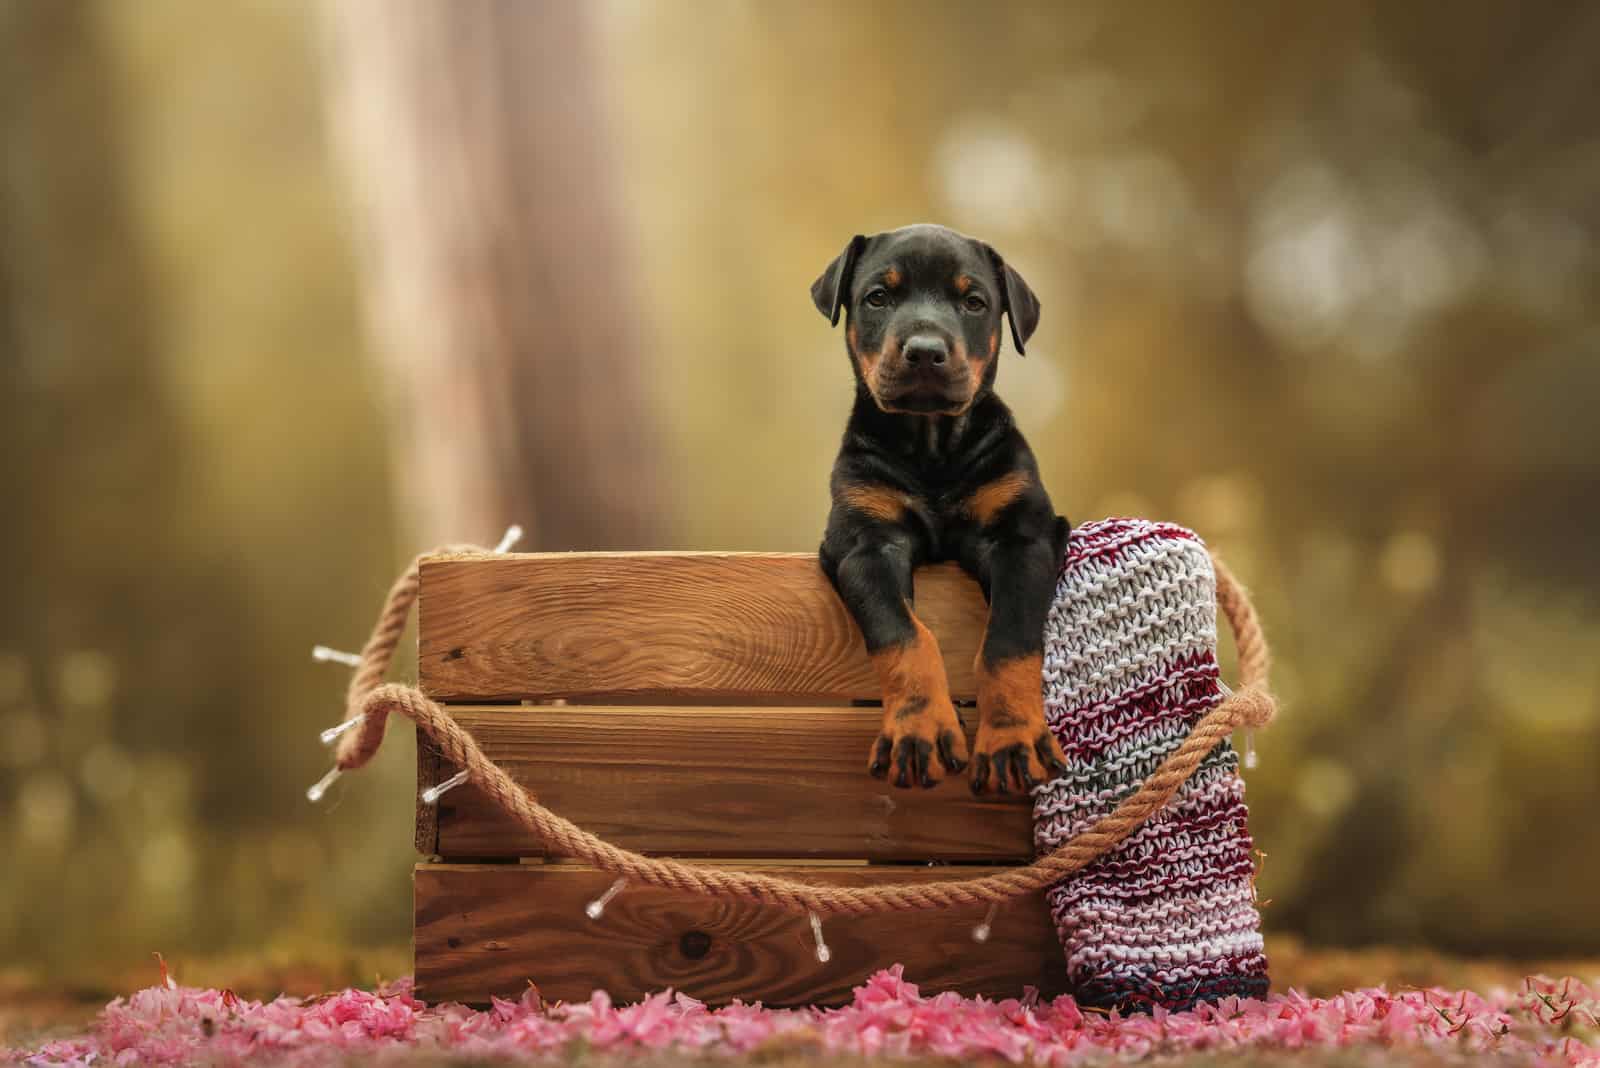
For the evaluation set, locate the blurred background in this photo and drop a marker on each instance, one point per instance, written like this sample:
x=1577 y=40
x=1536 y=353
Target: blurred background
x=289 y=291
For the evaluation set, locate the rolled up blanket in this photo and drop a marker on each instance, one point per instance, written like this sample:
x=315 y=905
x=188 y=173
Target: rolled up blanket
x=1168 y=917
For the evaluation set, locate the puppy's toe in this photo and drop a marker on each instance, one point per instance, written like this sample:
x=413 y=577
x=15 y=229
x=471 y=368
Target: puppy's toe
x=1050 y=755
x=953 y=749
x=878 y=759
x=1014 y=759
x=921 y=743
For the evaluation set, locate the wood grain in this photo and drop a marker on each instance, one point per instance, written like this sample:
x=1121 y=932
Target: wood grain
x=714 y=781
x=488 y=930
x=429 y=761
x=670 y=626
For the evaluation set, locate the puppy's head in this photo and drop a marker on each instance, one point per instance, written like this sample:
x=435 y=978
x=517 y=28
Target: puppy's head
x=922 y=315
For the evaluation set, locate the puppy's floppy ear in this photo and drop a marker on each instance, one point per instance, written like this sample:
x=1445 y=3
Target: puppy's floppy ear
x=832 y=287
x=1016 y=300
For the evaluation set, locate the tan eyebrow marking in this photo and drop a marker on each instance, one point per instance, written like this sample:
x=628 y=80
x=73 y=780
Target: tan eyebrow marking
x=892 y=277
x=963 y=283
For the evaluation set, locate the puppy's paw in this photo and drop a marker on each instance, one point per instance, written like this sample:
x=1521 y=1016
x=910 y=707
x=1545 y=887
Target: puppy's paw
x=1014 y=749
x=1017 y=757
x=921 y=742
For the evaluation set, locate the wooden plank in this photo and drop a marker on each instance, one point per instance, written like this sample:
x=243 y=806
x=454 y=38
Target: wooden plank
x=488 y=930
x=429 y=761
x=673 y=626
x=714 y=781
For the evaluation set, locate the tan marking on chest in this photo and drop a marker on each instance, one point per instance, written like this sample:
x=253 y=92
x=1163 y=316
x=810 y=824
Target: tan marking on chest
x=879 y=502
x=990 y=499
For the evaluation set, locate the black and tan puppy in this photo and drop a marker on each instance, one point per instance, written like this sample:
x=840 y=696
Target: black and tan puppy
x=933 y=468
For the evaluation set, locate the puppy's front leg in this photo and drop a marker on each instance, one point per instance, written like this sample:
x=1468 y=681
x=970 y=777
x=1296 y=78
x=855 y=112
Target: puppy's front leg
x=1014 y=747
x=921 y=738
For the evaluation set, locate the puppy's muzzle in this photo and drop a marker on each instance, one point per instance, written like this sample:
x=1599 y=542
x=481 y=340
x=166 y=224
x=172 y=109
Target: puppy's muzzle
x=929 y=349
x=924 y=374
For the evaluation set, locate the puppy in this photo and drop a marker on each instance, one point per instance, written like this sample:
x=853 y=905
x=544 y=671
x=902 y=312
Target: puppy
x=933 y=468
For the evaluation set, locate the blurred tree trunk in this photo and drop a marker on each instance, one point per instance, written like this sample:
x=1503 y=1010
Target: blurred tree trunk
x=111 y=655
x=498 y=282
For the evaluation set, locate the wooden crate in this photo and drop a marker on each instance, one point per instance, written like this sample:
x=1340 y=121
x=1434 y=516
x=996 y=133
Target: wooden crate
x=701 y=705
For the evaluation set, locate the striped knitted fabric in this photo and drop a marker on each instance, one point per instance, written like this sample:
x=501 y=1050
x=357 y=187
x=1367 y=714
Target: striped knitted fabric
x=1168 y=917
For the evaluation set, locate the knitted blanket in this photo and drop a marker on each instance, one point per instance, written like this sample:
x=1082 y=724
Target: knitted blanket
x=1168 y=917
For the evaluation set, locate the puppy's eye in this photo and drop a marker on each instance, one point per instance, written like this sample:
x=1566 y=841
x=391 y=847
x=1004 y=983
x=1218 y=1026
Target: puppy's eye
x=878 y=298
x=974 y=303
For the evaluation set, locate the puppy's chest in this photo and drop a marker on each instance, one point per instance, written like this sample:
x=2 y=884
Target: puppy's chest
x=944 y=505
x=941 y=488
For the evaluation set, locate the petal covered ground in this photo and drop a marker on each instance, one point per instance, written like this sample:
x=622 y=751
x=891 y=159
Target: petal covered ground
x=1549 y=1021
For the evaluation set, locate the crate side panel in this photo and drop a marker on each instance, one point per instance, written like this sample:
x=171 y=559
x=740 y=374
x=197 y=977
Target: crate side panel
x=489 y=930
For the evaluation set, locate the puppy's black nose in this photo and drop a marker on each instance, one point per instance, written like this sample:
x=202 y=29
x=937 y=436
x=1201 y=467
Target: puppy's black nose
x=926 y=348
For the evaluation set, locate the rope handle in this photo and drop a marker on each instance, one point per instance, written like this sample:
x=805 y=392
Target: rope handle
x=369 y=702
